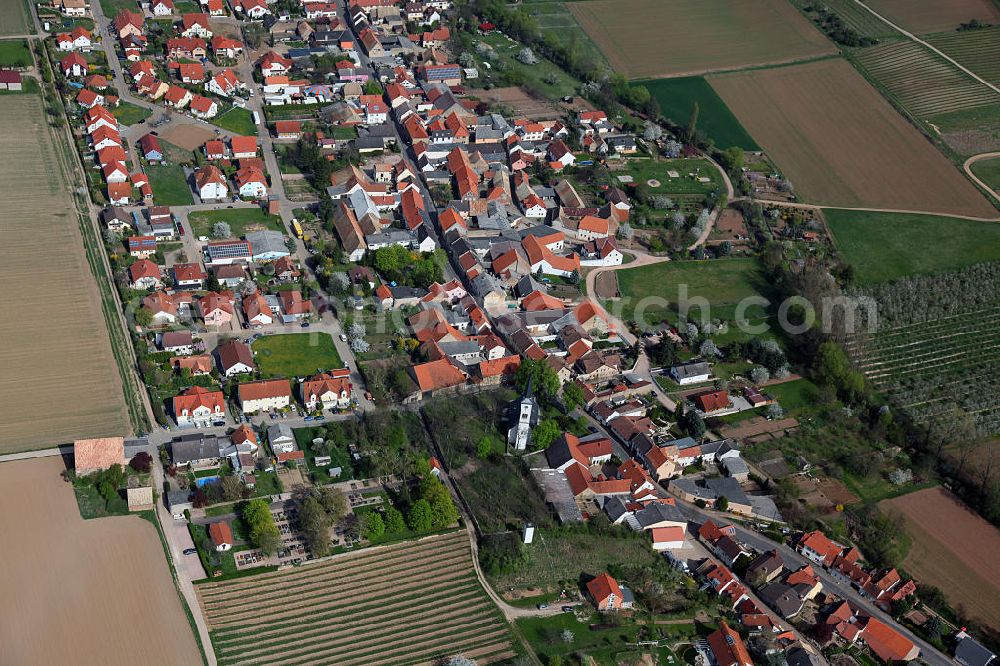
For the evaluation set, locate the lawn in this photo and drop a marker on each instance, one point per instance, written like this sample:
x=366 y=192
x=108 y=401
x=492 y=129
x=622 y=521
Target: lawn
x=545 y=77
x=654 y=291
x=240 y=220
x=793 y=396
x=989 y=172
x=15 y=53
x=236 y=120
x=677 y=98
x=688 y=171
x=558 y=557
x=130 y=114
x=887 y=246
x=296 y=354
x=170 y=186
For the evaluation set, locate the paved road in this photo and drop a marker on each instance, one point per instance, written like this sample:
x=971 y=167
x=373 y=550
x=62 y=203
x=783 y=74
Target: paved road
x=794 y=560
x=641 y=259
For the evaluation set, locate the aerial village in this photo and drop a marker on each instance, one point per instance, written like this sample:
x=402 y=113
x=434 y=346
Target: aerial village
x=313 y=218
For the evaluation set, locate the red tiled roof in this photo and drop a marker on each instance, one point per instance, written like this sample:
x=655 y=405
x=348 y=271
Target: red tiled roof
x=437 y=375
x=265 y=388
x=220 y=533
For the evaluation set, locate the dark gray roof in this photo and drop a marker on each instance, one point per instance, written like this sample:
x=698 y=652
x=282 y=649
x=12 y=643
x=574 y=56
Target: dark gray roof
x=798 y=656
x=691 y=369
x=175 y=497
x=194 y=447
x=558 y=453
x=658 y=512
x=615 y=508
x=970 y=652
x=407 y=292
x=526 y=285
x=781 y=598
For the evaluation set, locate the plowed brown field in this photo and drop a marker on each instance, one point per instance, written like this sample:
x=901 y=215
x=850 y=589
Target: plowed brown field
x=953 y=549
x=923 y=16
x=841 y=144
x=653 y=38
x=82 y=592
x=59 y=379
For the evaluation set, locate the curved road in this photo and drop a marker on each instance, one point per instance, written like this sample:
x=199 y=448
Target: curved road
x=968 y=171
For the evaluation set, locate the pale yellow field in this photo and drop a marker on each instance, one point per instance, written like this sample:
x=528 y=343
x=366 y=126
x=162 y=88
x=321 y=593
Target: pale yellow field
x=59 y=380
x=82 y=592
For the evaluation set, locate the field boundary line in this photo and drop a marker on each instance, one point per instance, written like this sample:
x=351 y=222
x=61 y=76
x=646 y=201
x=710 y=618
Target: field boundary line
x=944 y=55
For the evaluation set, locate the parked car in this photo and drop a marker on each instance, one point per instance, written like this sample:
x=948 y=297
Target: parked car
x=567 y=609
x=305 y=324
x=542 y=606
x=343 y=337
x=190 y=551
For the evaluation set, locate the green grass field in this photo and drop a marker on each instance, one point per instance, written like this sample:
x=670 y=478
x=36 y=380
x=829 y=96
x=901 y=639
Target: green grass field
x=688 y=170
x=793 y=396
x=989 y=171
x=723 y=283
x=237 y=120
x=240 y=220
x=15 y=53
x=887 y=246
x=676 y=98
x=130 y=114
x=544 y=76
x=556 y=21
x=15 y=20
x=296 y=354
x=170 y=187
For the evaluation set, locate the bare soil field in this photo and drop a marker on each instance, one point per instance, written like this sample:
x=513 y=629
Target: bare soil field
x=525 y=105
x=14 y=18
x=407 y=602
x=82 y=592
x=606 y=285
x=657 y=38
x=756 y=426
x=923 y=16
x=730 y=226
x=55 y=334
x=953 y=549
x=841 y=144
x=188 y=137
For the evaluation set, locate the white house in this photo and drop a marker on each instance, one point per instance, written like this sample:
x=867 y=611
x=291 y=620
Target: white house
x=331 y=390
x=211 y=184
x=667 y=538
x=265 y=395
x=162 y=7
x=691 y=373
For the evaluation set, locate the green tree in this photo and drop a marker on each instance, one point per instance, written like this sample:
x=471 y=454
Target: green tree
x=572 y=396
x=314 y=523
x=394 y=523
x=375 y=526
x=143 y=317
x=722 y=504
x=693 y=424
x=544 y=381
x=439 y=499
x=545 y=433
x=486 y=447
x=334 y=502
x=263 y=532
x=420 y=517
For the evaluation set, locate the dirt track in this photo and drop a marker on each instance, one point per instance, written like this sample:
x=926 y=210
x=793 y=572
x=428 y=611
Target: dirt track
x=82 y=592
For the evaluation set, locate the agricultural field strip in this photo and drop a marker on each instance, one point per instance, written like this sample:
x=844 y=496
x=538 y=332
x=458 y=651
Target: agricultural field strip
x=921 y=367
x=372 y=631
x=229 y=615
x=877 y=359
x=468 y=593
x=924 y=82
x=357 y=562
x=387 y=573
x=860 y=19
x=979 y=50
x=486 y=655
x=889 y=356
x=434 y=642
